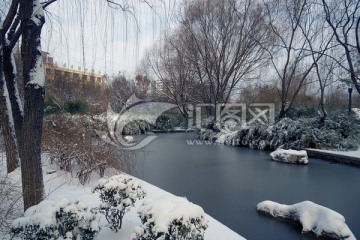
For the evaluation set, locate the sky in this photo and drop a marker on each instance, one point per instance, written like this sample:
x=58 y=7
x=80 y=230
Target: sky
x=93 y=35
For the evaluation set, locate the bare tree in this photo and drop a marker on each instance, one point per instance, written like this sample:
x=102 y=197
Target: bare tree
x=343 y=18
x=224 y=43
x=170 y=67
x=142 y=83
x=215 y=47
x=291 y=58
x=119 y=90
x=319 y=42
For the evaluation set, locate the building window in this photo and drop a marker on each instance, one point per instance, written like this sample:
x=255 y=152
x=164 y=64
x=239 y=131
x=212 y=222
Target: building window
x=76 y=76
x=92 y=78
x=84 y=77
x=67 y=76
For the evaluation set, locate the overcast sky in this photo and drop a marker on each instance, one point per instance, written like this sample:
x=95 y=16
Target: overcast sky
x=113 y=40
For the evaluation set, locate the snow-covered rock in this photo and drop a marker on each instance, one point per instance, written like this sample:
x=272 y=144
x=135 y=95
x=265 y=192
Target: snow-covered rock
x=129 y=139
x=314 y=218
x=170 y=217
x=290 y=156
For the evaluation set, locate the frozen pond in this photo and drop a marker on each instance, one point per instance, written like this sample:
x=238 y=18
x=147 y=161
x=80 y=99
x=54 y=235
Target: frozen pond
x=228 y=182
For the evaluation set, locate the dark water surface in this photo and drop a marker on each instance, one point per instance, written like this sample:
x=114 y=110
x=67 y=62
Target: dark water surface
x=228 y=182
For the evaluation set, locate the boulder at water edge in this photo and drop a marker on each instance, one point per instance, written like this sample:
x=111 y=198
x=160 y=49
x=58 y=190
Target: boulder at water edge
x=290 y=156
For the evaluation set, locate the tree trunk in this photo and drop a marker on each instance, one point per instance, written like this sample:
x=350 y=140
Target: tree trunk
x=14 y=96
x=33 y=74
x=283 y=111
x=12 y=155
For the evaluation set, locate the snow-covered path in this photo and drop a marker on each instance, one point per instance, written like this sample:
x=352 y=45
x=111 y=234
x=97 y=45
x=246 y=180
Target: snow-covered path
x=60 y=184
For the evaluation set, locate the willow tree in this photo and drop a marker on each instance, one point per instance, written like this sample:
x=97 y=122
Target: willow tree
x=22 y=121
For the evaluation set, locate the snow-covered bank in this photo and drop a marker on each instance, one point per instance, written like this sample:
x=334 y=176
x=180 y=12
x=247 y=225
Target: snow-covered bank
x=290 y=156
x=60 y=185
x=341 y=133
x=355 y=153
x=314 y=218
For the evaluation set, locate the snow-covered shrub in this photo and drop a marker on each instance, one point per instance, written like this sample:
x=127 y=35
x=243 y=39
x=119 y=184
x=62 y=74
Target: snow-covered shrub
x=170 y=218
x=57 y=220
x=117 y=195
x=169 y=120
x=340 y=132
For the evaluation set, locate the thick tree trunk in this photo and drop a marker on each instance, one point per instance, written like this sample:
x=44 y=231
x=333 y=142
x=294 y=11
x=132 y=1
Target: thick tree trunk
x=33 y=74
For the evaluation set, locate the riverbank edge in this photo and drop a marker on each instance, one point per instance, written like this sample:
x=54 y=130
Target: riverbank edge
x=335 y=157
x=322 y=154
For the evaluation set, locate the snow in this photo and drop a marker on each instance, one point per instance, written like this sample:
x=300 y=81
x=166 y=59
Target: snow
x=344 y=153
x=38 y=13
x=51 y=218
x=37 y=74
x=227 y=137
x=43 y=214
x=129 y=139
x=314 y=218
x=164 y=210
x=357 y=112
x=290 y=156
x=17 y=95
x=59 y=184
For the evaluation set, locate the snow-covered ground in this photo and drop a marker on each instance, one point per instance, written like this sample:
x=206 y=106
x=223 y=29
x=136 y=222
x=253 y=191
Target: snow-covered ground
x=314 y=218
x=60 y=185
x=357 y=112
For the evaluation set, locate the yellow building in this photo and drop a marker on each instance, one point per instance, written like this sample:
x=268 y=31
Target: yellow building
x=52 y=71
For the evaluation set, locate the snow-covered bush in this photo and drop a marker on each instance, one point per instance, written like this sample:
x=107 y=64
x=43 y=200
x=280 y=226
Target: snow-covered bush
x=117 y=195
x=170 y=218
x=57 y=220
x=321 y=221
x=340 y=132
